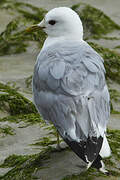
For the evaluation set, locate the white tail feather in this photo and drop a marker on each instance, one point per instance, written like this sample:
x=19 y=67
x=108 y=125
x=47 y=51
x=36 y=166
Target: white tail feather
x=105 y=150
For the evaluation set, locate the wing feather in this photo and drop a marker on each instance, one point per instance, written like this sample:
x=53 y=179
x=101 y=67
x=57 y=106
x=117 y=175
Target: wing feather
x=57 y=69
x=91 y=66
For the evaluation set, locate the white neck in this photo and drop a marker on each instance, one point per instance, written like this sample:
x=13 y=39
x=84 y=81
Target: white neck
x=51 y=40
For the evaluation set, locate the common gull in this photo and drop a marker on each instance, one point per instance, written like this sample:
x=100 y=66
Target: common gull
x=69 y=86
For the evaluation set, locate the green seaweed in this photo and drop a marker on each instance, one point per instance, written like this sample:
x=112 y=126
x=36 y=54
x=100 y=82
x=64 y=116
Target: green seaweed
x=44 y=141
x=25 y=165
x=17 y=42
x=37 y=14
x=114 y=140
x=95 y=22
x=111 y=61
x=14 y=160
x=109 y=38
x=91 y=174
x=114 y=95
x=28 y=81
x=26 y=10
x=2 y=2
x=15 y=39
x=30 y=119
x=6 y=130
x=82 y=176
x=109 y=162
x=117 y=47
x=14 y=102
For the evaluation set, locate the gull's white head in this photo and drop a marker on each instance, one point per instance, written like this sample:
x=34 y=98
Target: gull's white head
x=62 y=21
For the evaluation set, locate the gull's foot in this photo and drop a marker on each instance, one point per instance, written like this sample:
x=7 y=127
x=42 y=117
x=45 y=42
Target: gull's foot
x=103 y=170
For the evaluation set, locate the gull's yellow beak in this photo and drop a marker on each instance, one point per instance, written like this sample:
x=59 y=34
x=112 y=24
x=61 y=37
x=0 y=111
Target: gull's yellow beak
x=36 y=27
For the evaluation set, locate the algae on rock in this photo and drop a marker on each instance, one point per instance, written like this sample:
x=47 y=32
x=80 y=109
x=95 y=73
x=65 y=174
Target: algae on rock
x=114 y=140
x=27 y=166
x=95 y=22
x=29 y=119
x=15 y=39
x=6 y=130
x=14 y=102
x=111 y=62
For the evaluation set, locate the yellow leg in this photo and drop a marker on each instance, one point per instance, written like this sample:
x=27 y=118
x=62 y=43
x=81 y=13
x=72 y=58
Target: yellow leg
x=58 y=141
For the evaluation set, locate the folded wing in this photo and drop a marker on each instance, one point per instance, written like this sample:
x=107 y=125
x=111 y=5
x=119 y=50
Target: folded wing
x=70 y=90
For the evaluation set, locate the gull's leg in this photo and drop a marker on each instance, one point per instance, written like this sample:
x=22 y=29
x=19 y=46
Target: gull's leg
x=58 y=141
x=103 y=170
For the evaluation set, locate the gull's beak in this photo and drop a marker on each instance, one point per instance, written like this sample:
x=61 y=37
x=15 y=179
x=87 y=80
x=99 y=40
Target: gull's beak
x=36 y=27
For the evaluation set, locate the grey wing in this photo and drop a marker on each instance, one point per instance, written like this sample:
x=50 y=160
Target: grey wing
x=70 y=90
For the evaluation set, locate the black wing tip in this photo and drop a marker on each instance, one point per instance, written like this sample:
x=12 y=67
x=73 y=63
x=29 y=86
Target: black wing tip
x=88 y=150
x=97 y=162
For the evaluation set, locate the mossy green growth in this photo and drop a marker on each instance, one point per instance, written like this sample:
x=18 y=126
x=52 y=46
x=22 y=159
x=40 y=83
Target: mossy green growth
x=114 y=140
x=45 y=141
x=110 y=38
x=29 y=11
x=10 y=41
x=29 y=119
x=28 y=81
x=117 y=47
x=2 y=2
x=26 y=10
x=14 y=160
x=90 y=174
x=24 y=166
x=15 y=39
x=114 y=95
x=111 y=61
x=95 y=22
x=14 y=102
x=6 y=130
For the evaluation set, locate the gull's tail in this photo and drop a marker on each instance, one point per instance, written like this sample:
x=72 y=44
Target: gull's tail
x=86 y=150
x=92 y=152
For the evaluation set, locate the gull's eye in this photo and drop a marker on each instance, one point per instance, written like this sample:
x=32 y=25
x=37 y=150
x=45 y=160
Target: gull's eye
x=52 y=22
